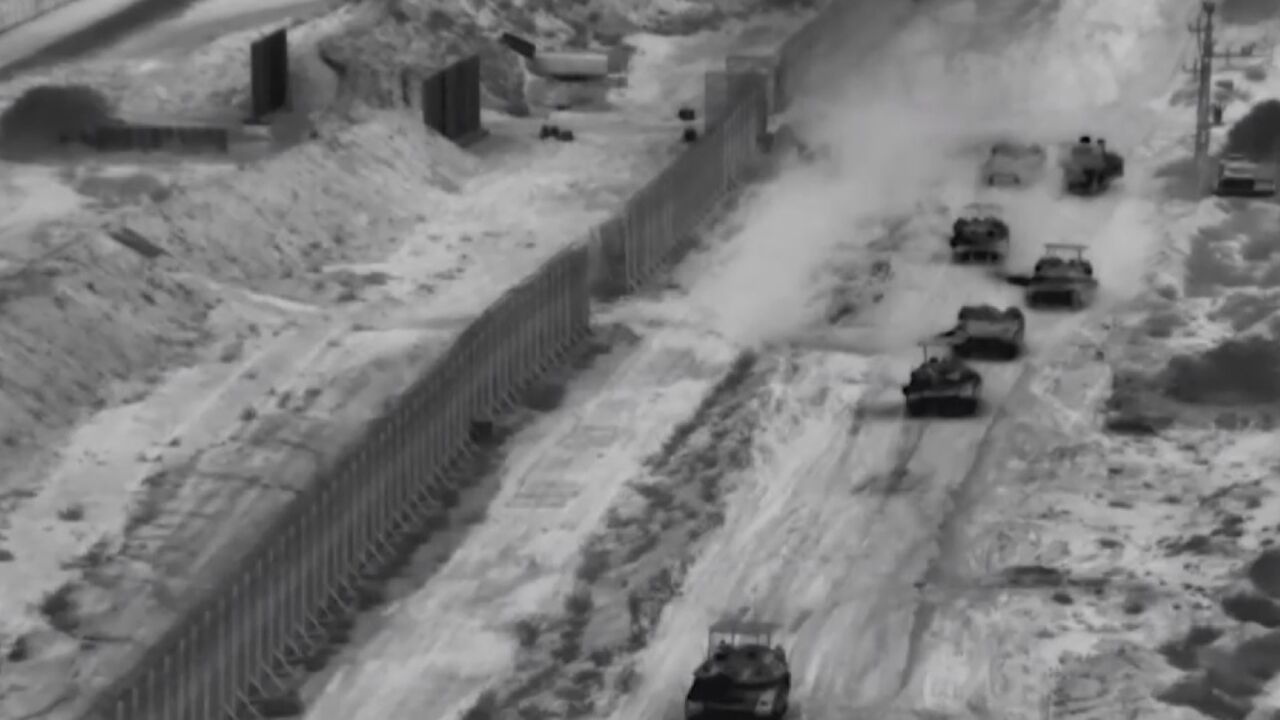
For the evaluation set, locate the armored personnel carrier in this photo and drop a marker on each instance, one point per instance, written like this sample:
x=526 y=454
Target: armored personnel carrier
x=943 y=385
x=1062 y=278
x=1089 y=168
x=987 y=332
x=983 y=239
x=743 y=676
x=1014 y=163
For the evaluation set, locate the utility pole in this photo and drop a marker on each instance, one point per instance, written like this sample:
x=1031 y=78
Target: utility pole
x=1202 y=68
x=1203 y=30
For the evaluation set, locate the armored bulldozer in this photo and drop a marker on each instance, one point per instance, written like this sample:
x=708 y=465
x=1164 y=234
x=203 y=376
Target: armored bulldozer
x=1089 y=168
x=744 y=674
x=987 y=332
x=943 y=385
x=982 y=239
x=1062 y=278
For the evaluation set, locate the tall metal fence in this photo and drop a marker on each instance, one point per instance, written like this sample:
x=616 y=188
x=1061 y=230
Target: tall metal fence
x=451 y=100
x=275 y=611
x=660 y=219
x=269 y=73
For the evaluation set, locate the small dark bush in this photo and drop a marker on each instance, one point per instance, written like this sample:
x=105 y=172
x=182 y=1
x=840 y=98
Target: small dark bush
x=20 y=650
x=1257 y=134
x=1247 y=12
x=544 y=396
x=485 y=707
x=1199 y=694
x=60 y=609
x=1252 y=608
x=1265 y=573
x=1237 y=371
x=48 y=116
x=1183 y=652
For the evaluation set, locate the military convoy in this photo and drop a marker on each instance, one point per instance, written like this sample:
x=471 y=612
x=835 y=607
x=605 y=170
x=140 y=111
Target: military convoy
x=944 y=384
x=743 y=675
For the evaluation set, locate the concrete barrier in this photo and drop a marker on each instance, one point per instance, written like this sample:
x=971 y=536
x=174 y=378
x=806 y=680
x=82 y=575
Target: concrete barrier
x=236 y=649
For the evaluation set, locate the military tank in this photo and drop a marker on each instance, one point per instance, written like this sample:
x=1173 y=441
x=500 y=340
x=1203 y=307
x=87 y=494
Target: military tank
x=744 y=674
x=1089 y=168
x=987 y=332
x=983 y=239
x=943 y=385
x=1062 y=278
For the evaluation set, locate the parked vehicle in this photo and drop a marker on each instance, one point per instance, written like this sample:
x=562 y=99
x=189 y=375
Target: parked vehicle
x=1241 y=177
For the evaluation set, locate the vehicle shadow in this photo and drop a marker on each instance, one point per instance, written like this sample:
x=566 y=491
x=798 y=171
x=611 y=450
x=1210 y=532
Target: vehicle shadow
x=894 y=410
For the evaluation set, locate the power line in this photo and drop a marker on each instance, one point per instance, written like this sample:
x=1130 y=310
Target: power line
x=1203 y=30
x=1202 y=68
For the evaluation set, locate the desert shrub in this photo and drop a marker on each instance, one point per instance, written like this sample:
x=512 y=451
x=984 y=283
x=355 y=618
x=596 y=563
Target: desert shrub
x=1247 y=12
x=1257 y=134
x=45 y=116
x=1264 y=572
x=1236 y=371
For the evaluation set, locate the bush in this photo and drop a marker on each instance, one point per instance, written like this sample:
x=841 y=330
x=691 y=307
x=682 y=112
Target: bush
x=1257 y=134
x=1247 y=12
x=60 y=609
x=1244 y=371
x=46 y=116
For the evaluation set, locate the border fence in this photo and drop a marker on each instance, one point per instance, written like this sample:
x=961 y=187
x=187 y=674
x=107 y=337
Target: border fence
x=237 y=650
x=451 y=100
